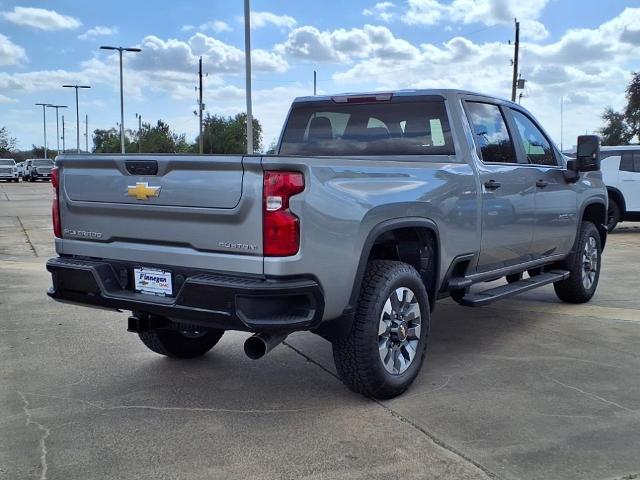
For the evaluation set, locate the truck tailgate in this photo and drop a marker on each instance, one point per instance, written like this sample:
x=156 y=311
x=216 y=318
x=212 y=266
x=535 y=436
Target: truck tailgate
x=172 y=206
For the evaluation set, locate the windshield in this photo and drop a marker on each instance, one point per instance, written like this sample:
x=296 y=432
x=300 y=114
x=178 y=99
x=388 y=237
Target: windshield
x=7 y=162
x=402 y=126
x=42 y=163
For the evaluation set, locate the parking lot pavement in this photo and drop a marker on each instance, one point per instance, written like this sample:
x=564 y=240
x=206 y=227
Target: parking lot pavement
x=528 y=388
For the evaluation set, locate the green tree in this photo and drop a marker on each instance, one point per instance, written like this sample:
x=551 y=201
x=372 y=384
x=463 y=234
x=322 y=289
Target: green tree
x=160 y=138
x=632 y=112
x=108 y=141
x=615 y=131
x=38 y=152
x=229 y=134
x=7 y=142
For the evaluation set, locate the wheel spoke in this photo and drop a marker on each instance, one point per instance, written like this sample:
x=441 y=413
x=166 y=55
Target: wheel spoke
x=387 y=310
x=409 y=349
x=389 y=361
x=396 y=300
x=413 y=332
x=399 y=362
x=413 y=312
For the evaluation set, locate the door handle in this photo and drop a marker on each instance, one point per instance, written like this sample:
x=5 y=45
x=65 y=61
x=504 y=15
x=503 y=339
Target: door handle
x=492 y=185
x=542 y=184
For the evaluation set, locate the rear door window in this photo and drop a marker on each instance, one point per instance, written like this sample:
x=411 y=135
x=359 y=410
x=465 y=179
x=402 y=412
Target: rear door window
x=630 y=162
x=402 y=126
x=491 y=133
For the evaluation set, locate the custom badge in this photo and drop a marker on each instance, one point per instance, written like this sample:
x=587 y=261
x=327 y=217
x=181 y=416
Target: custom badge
x=142 y=191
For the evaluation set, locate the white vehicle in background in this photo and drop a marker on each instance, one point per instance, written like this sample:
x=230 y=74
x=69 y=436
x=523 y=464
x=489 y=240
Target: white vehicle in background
x=20 y=167
x=37 y=168
x=8 y=170
x=621 y=174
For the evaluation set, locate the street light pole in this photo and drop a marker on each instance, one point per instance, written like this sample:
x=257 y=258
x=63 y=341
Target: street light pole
x=63 y=146
x=77 y=113
x=139 y=117
x=86 y=132
x=57 y=107
x=247 y=59
x=120 y=50
x=44 y=123
x=561 y=124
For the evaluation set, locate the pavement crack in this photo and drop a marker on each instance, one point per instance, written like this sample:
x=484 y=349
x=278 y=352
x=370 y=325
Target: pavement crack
x=24 y=230
x=591 y=395
x=170 y=409
x=431 y=436
x=309 y=359
x=43 y=439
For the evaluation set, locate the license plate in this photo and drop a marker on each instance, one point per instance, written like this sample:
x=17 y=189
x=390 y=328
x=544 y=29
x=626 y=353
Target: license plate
x=153 y=282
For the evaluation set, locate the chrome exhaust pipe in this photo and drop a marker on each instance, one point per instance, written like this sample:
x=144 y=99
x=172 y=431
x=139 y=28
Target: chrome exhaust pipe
x=258 y=345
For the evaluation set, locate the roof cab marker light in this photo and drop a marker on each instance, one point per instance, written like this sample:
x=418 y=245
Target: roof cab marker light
x=372 y=98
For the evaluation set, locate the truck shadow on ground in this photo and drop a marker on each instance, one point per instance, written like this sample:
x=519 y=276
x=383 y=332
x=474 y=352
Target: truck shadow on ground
x=306 y=372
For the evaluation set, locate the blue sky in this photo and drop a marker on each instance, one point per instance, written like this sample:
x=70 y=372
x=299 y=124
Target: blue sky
x=582 y=51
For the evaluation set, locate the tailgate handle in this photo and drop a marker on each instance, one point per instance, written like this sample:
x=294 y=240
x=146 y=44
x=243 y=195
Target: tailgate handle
x=141 y=167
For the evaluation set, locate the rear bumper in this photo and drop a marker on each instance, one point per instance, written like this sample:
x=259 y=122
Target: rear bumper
x=203 y=298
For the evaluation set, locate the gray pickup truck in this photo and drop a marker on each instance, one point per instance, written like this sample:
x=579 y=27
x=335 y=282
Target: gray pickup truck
x=375 y=206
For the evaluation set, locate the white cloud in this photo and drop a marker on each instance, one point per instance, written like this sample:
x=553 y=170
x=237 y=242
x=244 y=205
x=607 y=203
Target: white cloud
x=216 y=26
x=342 y=45
x=98 y=31
x=41 y=18
x=594 y=63
x=5 y=99
x=262 y=19
x=10 y=53
x=182 y=56
x=533 y=30
x=381 y=10
x=424 y=12
x=487 y=12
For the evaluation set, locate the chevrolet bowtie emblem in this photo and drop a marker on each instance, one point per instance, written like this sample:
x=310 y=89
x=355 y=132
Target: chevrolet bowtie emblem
x=142 y=191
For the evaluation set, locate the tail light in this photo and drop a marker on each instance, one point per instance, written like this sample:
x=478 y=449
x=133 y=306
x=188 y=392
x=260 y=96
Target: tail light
x=55 y=205
x=281 y=228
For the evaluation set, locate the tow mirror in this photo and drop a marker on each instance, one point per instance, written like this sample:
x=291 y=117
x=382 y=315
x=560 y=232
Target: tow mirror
x=588 y=154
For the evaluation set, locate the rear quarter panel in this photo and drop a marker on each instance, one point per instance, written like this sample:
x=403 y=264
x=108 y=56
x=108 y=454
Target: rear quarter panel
x=346 y=198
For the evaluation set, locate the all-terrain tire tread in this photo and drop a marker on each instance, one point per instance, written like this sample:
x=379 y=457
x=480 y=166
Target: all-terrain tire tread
x=351 y=353
x=572 y=290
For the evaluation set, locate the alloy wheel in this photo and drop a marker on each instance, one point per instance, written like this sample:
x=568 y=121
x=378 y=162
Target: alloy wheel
x=399 y=330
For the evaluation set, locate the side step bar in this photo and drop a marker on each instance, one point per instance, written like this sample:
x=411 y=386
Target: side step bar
x=486 y=297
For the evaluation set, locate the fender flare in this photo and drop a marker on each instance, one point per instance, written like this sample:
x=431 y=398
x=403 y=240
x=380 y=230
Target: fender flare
x=617 y=193
x=387 y=226
x=602 y=227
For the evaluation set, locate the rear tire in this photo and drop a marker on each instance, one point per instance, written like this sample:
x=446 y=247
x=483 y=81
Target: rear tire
x=584 y=266
x=614 y=214
x=189 y=343
x=383 y=353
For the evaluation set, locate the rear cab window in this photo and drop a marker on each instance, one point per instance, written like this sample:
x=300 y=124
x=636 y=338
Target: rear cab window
x=401 y=125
